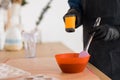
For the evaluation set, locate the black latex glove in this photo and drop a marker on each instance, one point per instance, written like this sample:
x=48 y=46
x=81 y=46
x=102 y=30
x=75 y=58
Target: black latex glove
x=77 y=14
x=105 y=32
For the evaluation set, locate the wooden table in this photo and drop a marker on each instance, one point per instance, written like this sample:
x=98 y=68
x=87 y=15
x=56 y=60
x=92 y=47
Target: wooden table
x=46 y=53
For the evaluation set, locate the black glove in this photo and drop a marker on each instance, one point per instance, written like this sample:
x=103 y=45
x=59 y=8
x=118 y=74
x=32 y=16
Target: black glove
x=77 y=14
x=105 y=32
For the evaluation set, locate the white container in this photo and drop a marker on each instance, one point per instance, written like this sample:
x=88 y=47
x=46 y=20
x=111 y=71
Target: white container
x=13 y=34
x=13 y=39
x=2 y=32
x=2 y=40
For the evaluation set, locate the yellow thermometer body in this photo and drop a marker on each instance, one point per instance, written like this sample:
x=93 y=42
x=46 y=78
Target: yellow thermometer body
x=70 y=23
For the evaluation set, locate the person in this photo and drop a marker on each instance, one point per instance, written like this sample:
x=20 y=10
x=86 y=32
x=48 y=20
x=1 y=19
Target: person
x=105 y=46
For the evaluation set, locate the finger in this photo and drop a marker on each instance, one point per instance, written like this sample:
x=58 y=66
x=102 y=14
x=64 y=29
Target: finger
x=108 y=36
x=99 y=36
x=78 y=22
x=115 y=34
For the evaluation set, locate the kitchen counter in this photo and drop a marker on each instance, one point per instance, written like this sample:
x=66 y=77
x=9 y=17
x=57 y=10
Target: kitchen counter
x=45 y=63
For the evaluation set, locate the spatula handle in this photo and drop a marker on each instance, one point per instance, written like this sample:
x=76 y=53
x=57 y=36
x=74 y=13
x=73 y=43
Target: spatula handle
x=97 y=23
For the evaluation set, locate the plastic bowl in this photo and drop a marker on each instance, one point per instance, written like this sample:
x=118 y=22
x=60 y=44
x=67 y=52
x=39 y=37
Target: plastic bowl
x=72 y=62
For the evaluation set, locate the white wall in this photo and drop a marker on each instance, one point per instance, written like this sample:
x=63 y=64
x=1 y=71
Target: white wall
x=52 y=26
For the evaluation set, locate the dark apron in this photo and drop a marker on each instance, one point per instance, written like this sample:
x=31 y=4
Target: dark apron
x=105 y=55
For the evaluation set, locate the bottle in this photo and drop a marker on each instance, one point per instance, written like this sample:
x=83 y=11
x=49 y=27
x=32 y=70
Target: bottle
x=13 y=39
x=2 y=31
x=13 y=34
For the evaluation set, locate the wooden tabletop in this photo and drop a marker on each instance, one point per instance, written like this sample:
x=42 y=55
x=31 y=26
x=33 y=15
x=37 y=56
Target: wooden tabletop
x=46 y=52
x=48 y=66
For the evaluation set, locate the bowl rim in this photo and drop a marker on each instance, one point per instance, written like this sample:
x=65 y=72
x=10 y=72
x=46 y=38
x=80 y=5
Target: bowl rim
x=59 y=55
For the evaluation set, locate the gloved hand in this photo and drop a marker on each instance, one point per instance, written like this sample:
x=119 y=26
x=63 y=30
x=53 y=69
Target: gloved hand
x=105 y=32
x=77 y=14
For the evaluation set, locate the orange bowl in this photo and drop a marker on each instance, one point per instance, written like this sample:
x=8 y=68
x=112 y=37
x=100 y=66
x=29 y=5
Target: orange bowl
x=71 y=62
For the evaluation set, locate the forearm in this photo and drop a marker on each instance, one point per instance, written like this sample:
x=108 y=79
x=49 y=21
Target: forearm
x=76 y=4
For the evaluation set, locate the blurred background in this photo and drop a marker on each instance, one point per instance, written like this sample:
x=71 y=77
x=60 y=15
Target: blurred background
x=50 y=29
x=52 y=25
